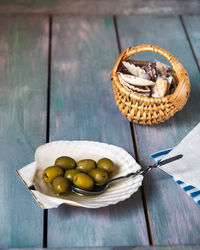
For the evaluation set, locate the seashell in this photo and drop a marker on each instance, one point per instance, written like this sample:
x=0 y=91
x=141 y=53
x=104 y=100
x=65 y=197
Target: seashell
x=161 y=68
x=45 y=156
x=138 y=93
x=169 y=79
x=135 y=70
x=134 y=80
x=139 y=90
x=154 y=92
x=143 y=89
x=150 y=69
x=161 y=88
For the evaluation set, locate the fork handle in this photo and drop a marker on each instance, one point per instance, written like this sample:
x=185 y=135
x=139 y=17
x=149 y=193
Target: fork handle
x=133 y=174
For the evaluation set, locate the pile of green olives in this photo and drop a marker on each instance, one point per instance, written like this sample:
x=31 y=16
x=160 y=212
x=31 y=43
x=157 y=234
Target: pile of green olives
x=83 y=174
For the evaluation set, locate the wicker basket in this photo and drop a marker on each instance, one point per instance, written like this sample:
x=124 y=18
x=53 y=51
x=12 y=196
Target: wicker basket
x=150 y=110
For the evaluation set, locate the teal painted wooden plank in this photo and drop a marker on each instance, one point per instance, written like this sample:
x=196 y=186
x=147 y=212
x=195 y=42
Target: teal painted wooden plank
x=175 y=218
x=192 y=26
x=180 y=247
x=23 y=81
x=83 y=108
x=101 y=7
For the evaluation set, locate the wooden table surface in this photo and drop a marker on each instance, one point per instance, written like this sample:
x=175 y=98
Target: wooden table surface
x=55 y=85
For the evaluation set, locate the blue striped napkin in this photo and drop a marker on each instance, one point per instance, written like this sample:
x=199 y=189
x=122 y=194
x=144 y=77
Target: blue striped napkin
x=189 y=189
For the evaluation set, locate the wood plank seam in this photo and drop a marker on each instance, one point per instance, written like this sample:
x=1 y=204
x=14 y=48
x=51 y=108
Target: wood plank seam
x=134 y=139
x=80 y=45
x=189 y=41
x=24 y=51
x=144 y=200
x=45 y=213
x=117 y=33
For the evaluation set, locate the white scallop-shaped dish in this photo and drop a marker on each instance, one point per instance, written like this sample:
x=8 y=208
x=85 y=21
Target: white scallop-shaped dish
x=46 y=155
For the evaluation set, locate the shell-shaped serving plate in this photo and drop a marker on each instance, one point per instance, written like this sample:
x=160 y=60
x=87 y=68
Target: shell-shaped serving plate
x=46 y=155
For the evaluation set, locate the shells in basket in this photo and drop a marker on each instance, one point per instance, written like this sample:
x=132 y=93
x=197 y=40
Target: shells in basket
x=136 y=71
x=154 y=79
x=137 y=81
x=160 y=88
x=143 y=90
x=45 y=156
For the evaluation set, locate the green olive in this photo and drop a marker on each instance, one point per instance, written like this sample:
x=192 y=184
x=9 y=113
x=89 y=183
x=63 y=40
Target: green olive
x=60 y=185
x=65 y=162
x=83 y=181
x=69 y=174
x=106 y=164
x=50 y=173
x=100 y=176
x=86 y=165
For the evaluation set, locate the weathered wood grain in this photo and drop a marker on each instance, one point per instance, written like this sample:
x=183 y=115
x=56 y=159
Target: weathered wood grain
x=83 y=108
x=101 y=7
x=192 y=24
x=181 y=247
x=23 y=81
x=175 y=218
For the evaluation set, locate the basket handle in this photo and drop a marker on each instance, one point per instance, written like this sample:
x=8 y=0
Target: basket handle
x=181 y=94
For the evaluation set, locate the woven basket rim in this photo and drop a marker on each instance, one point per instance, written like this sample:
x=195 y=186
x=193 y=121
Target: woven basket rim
x=181 y=94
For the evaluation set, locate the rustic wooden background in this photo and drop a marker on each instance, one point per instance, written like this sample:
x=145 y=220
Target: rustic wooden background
x=55 y=84
x=101 y=7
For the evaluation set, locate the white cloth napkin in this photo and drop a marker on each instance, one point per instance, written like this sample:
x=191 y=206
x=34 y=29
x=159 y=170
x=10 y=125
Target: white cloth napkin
x=186 y=169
